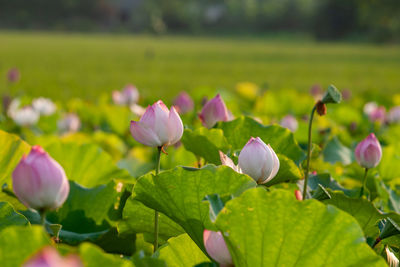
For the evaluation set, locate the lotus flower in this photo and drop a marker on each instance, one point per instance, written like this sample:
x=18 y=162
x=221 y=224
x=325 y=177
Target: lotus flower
x=369 y=152
x=70 y=123
x=184 y=103
x=13 y=75
x=258 y=160
x=25 y=116
x=158 y=126
x=39 y=181
x=128 y=96
x=49 y=257
x=44 y=106
x=394 y=114
x=214 y=111
x=216 y=247
x=290 y=123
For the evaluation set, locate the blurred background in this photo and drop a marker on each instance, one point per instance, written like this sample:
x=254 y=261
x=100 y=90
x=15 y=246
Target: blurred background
x=81 y=48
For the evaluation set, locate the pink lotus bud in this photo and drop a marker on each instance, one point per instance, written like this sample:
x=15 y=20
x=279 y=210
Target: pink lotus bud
x=70 y=123
x=216 y=247
x=258 y=160
x=227 y=161
x=369 y=152
x=298 y=195
x=289 y=122
x=158 y=126
x=394 y=115
x=13 y=75
x=378 y=114
x=39 y=181
x=184 y=103
x=214 y=111
x=49 y=257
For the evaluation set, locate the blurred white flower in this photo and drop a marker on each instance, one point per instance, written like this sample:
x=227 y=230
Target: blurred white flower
x=370 y=107
x=44 y=106
x=25 y=116
x=69 y=123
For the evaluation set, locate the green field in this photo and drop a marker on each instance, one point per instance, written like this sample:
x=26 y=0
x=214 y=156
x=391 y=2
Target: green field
x=76 y=65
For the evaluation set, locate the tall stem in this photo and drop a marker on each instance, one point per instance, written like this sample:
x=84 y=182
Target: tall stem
x=308 y=152
x=156 y=215
x=42 y=213
x=364 y=182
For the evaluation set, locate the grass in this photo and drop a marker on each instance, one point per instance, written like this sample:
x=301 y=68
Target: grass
x=62 y=66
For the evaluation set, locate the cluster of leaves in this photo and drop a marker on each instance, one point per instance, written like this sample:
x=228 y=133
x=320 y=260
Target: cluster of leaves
x=108 y=218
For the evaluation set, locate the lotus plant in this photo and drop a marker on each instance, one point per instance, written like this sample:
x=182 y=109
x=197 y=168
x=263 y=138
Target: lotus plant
x=49 y=257
x=214 y=111
x=158 y=127
x=290 y=123
x=256 y=159
x=368 y=154
x=40 y=182
x=184 y=103
x=216 y=247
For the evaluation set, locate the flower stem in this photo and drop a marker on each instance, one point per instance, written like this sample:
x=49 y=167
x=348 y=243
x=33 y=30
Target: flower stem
x=156 y=215
x=364 y=182
x=308 y=152
x=42 y=213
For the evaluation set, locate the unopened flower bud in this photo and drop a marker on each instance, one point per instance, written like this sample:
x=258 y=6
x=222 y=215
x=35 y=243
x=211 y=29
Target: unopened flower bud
x=321 y=108
x=158 y=126
x=49 y=257
x=184 y=103
x=258 y=160
x=39 y=181
x=369 y=152
x=216 y=247
x=214 y=111
x=298 y=195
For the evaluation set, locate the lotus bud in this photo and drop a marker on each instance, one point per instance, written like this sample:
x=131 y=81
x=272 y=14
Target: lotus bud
x=214 y=111
x=44 y=106
x=394 y=115
x=258 y=160
x=13 y=75
x=49 y=257
x=298 y=195
x=369 y=152
x=39 y=181
x=216 y=247
x=378 y=114
x=70 y=123
x=158 y=126
x=184 y=103
x=290 y=123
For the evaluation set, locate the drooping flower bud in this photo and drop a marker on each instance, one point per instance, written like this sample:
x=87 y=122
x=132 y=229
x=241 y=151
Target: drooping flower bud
x=13 y=75
x=70 y=123
x=394 y=115
x=369 y=152
x=39 y=181
x=49 y=257
x=321 y=108
x=216 y=247
x=258 y=160
x=184 y=103
x=289 y=122
x=158 y=126
x=44 y=106
x=214 y=111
